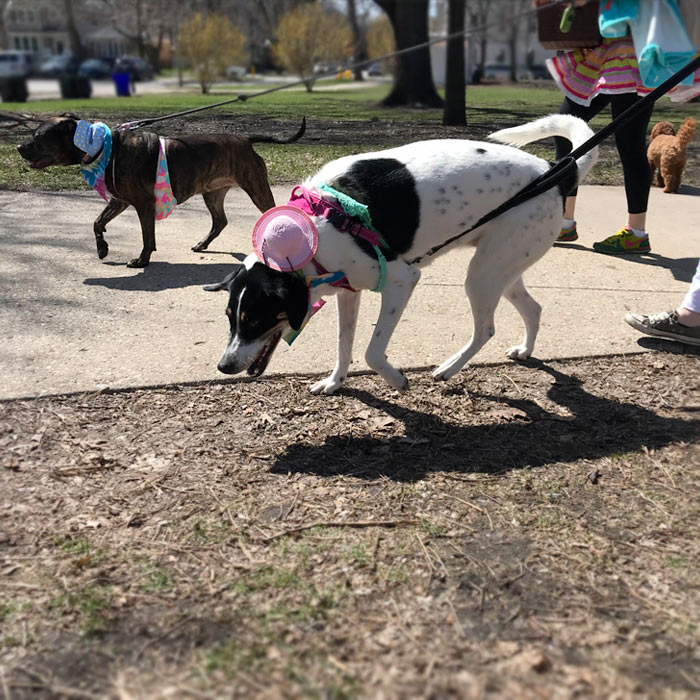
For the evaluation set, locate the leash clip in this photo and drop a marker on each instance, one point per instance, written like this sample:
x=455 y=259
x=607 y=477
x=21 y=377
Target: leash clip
x=129 y=126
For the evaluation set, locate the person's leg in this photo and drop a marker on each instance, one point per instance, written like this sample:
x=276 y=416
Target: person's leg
x=563 y=148
x=681 y=324
x=631 y=144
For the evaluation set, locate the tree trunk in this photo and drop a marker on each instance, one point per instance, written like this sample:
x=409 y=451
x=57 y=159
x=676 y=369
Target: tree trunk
x=455 y=100
x=359 y=43
x=76 y=45
x=413 y=80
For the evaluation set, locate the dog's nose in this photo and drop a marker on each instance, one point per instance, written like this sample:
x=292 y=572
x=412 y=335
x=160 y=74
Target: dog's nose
x=226 y=367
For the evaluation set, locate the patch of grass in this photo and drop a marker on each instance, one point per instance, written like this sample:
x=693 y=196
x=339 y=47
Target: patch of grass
x=7 y=609
x=157 y=580
x=430 y=528
x=357 y=554
x=71 y=546
x=90 y=605
x=233 y=658
x=396 y=574
x=295 y=162
x=264 y=578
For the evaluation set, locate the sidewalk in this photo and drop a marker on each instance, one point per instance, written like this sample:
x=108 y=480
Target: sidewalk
x=74 y=323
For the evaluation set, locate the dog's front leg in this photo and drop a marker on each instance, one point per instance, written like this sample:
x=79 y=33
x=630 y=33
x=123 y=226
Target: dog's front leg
x=348 y=306
x=111 y=211
x=401 y=280
x=147 y=217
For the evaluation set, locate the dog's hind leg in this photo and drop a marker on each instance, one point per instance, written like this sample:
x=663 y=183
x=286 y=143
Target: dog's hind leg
x=530 y=311
x=215 y=204
x=484 y=286
x=671 y=166
x=111 y=211
x=401 y=280
x=256 y=184
x=348 y=306
x=147 y=217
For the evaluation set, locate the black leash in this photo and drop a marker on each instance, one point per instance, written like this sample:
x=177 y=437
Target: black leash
x=566 y=166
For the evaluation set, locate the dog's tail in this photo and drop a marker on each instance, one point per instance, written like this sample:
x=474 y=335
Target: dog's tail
x=263 y=138
x=686 y=131
x=662 y=128
x=571 y=128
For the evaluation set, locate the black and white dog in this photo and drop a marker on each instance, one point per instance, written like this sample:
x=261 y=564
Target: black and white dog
x=418 y=196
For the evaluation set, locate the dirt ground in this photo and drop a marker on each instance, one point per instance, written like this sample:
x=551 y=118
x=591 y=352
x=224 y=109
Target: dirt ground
x=384 y=133
x=528 y=531
x=380 y=133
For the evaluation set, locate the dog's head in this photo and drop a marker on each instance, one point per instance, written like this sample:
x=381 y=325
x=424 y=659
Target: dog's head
x=263 y=303
x=52 y=144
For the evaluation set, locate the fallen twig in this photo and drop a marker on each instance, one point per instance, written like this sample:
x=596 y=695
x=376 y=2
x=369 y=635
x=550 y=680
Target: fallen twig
x=339 y=523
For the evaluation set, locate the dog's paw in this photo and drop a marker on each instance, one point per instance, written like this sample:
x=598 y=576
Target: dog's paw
x=519 y=352
x=397 y=380
x=448 y=368
x=202 y=245
x=102 y=250
x=137 y=262
x=326 y=386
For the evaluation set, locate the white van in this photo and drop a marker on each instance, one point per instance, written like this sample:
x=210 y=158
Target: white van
x=16 y=64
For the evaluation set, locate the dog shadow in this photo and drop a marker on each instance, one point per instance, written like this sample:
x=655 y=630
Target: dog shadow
x=689 y=190
x=159 y=276
x=682 y=269
x=433 y=443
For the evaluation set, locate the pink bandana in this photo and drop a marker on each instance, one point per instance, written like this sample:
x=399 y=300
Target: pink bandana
x=163 y=192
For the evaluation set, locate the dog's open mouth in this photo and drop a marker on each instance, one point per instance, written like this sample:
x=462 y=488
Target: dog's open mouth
x=261 y=361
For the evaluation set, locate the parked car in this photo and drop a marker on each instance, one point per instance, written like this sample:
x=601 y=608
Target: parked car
x=540 y=72
x=375 y=69
x=326 y=67
x=17 y=64
x=498 y=72
x=236 y=72
x=56 y=66
x=95 y=68
x=138 y=68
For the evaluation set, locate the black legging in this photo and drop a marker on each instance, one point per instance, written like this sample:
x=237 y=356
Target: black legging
x=630 y=140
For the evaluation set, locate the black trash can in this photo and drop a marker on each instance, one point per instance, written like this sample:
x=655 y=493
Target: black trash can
x=14 y=89
x=75 y=87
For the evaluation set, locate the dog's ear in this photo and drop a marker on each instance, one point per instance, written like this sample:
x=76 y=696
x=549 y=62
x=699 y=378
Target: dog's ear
x=296 y=302
x=225 y=283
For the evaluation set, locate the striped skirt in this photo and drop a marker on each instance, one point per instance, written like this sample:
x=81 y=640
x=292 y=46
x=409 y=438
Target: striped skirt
x=610 y=69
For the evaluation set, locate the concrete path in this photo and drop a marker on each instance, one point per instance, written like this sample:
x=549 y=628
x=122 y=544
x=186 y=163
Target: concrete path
x=71 y=322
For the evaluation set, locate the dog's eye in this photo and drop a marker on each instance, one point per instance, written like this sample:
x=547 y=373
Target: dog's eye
x=229 y=311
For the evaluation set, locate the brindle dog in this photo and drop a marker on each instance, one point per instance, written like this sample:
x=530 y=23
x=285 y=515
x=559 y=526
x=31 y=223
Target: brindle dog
x=201 y=164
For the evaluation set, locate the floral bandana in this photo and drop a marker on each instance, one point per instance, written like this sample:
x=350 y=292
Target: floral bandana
x=163 y=192
x=92 y=138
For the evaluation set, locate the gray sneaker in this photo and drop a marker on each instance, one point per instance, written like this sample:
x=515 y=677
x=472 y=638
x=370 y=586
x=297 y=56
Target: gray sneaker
x=664 y=325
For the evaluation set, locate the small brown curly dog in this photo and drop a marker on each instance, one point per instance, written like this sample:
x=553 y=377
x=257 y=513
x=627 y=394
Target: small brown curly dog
x=667 y=152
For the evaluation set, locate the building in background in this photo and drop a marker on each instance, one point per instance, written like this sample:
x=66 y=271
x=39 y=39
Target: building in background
x=41 y=26
x=509 y=47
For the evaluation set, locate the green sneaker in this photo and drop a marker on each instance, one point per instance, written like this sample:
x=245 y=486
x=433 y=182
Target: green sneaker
x=568 y=235
x=623 y=242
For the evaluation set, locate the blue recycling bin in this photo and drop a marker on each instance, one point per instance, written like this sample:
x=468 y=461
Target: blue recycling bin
x=122 y=83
